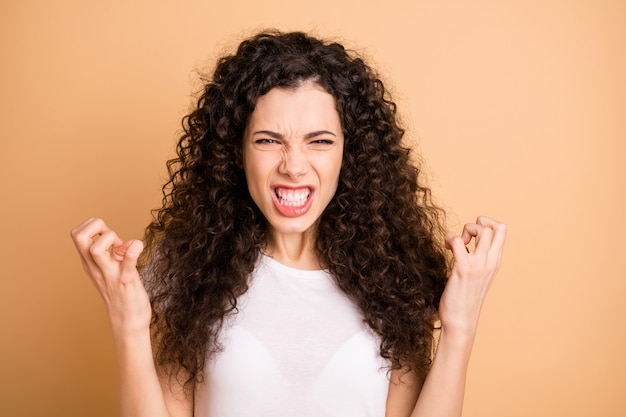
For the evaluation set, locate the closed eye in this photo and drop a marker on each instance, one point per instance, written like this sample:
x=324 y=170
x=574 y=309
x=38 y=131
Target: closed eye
x=265 y=140
x=321 y=144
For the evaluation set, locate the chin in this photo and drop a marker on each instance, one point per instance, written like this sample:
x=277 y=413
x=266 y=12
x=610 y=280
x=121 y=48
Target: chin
x=292 y=226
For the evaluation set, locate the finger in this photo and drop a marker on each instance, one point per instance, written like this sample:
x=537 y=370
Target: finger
x=470 y=231
x=118 y=251
x=84 y=233
x=499 y=231
x=449 y=238
x=129 y=263
x=90 y=224
x=499 y=228
x=487 y=222
x=100 y=250
x=483 y=241
x=82 y=225
x=456 y=244
x=497 y=245
x=82 y=236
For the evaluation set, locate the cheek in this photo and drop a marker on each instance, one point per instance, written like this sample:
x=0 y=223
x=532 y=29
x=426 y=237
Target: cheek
x=258 y=171
x=253 y=179
x=337 y=166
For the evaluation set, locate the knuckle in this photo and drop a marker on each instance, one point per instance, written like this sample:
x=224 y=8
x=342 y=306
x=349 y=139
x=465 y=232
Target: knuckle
x=77 y=235
x=458 y=240
x=96 y=251
x=464 y=270
x=484 y=220
x=492 y=265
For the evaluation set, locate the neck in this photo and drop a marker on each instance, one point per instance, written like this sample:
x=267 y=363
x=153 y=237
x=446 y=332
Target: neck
x=294 y=250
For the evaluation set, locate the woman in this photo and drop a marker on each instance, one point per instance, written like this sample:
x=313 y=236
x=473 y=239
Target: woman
x=297 y=266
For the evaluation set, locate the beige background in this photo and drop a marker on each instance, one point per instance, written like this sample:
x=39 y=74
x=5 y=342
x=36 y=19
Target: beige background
x=519 y=108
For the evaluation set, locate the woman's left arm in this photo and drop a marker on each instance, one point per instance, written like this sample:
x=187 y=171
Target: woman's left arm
x=442 y=392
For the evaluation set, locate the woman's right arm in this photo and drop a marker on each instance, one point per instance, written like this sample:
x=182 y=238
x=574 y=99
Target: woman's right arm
x=112 y=266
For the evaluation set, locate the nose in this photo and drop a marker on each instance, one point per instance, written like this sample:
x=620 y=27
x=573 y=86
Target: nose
x=294 y=162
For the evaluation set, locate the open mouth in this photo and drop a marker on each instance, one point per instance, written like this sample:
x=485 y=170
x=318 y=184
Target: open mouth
x=292 y=197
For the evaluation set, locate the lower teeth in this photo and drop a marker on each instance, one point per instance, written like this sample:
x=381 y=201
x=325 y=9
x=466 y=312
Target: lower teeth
x=292 y=203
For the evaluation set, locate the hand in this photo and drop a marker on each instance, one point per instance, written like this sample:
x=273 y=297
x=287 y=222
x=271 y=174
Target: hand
x=471 y=275
x=112 y=266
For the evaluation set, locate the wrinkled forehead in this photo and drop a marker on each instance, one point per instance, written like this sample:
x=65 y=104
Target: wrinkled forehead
x=295 y=111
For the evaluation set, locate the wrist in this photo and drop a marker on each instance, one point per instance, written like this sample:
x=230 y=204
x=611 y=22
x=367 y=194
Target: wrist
x=130 y=345
x=128 y=333
x=129 y=323
x=457 y=336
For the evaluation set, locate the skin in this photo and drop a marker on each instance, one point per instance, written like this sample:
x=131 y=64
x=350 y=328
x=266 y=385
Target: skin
x=441 y=393
x=112 y=266
x=293 y=141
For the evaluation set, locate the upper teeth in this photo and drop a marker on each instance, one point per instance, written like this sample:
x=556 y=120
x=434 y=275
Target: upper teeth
x=292 y=196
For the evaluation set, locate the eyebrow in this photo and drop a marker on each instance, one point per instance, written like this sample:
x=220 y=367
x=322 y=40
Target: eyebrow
x=310 y=135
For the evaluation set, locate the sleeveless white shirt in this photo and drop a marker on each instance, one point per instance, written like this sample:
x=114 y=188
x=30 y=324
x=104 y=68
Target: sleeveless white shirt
x=297 y=347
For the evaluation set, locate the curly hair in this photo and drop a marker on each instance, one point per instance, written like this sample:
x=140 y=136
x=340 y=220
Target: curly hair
x=380 y=236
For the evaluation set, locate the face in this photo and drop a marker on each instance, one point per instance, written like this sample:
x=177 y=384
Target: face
x=292 y=153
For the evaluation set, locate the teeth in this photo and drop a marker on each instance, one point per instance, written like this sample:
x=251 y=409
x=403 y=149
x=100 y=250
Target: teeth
x=292 y=198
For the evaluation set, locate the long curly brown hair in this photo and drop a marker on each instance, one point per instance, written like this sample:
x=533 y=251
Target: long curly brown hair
x=380 y=236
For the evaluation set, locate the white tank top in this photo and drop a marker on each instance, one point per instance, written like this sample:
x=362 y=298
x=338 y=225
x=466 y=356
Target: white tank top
x=298 y=347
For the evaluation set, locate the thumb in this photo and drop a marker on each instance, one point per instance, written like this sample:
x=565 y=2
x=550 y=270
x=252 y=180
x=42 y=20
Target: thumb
x=129 y=263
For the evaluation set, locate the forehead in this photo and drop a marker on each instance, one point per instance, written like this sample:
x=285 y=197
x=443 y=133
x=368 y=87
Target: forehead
x=304 y=107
